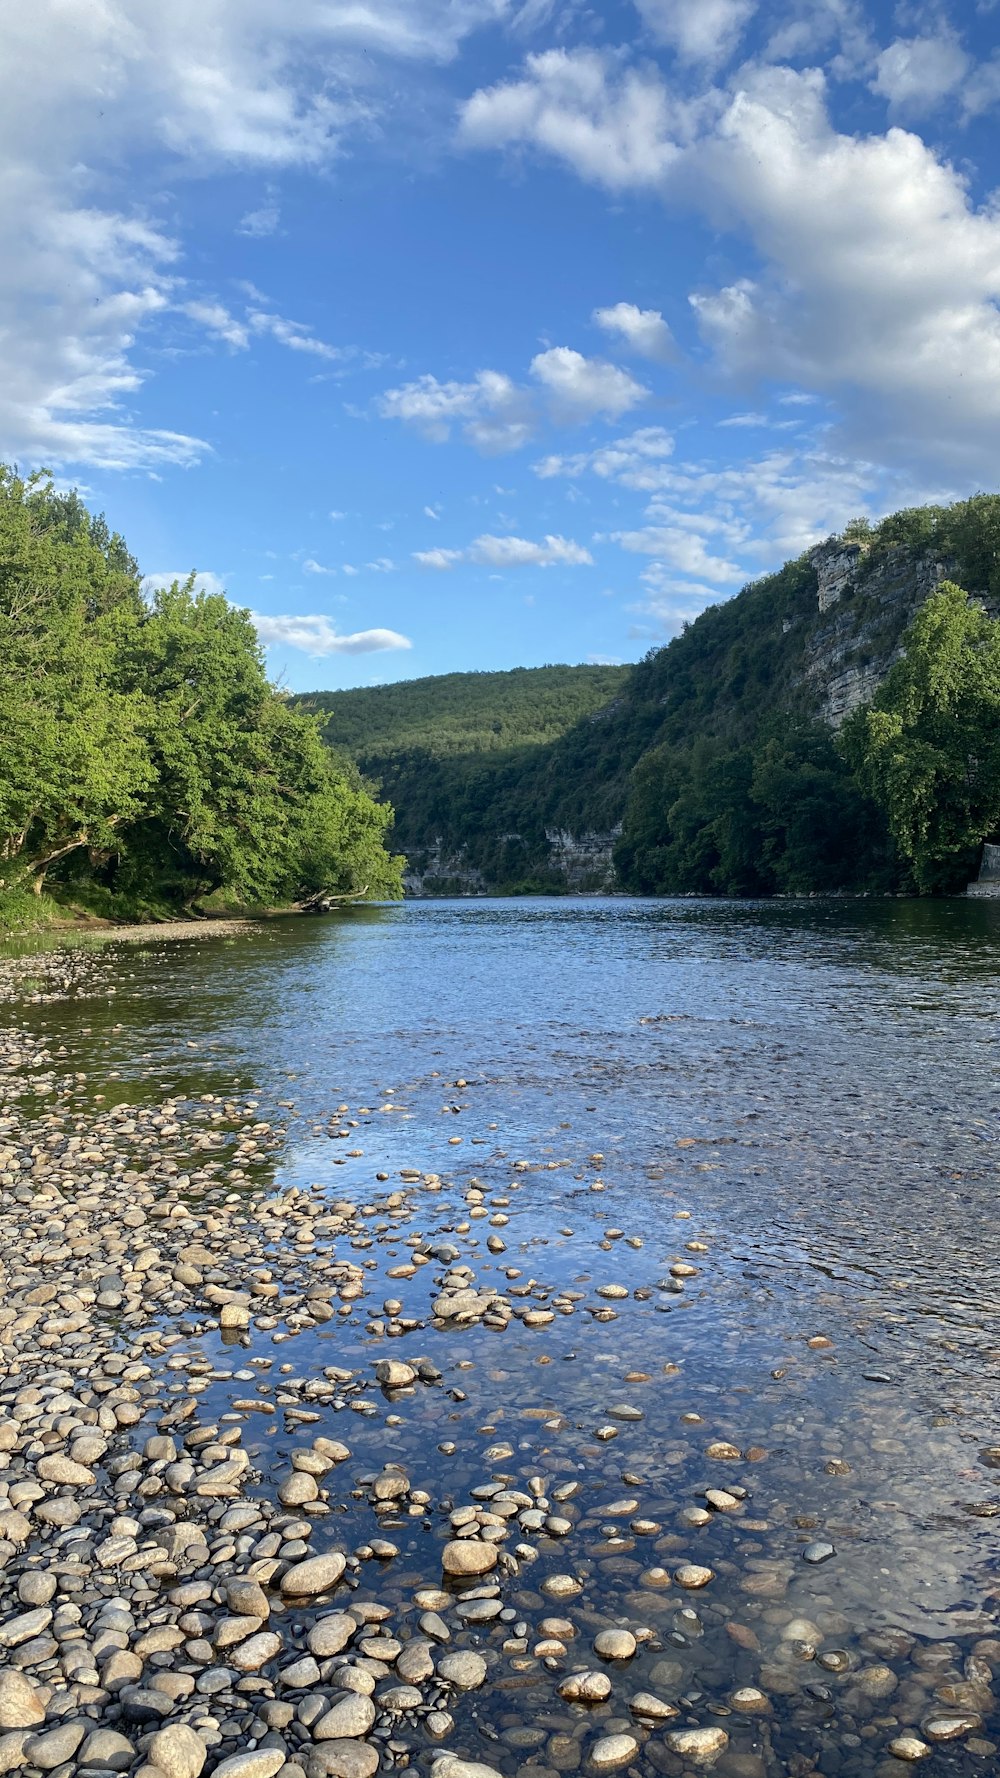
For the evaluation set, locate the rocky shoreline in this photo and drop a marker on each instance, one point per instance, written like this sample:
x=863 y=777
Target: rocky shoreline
x=202 y=1569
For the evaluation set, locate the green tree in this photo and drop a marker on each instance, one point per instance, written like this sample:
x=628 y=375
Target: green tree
x=928 y=747
x=74 y=764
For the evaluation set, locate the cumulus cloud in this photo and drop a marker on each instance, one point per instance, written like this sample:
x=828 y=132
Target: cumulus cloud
x=581 y=388
x=878 y=280
x=643 y=329
x=317 y=636
x=698 y=30
x=916 y=74
x=493 y=413
x=681 y=549
x=618 y=128
x=497 y=415
x=509 y=552
x=87 y=90
x=311 y=566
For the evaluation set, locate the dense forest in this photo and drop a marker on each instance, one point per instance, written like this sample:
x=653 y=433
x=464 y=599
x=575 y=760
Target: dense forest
x=147 y=764
x=712 y=768
x=455 y=713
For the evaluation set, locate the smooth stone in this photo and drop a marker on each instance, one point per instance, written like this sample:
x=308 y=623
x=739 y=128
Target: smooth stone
x=818 y=1552
x=318 y=1574
x=950 y=1728
x=343 y=1759
x=448 y=1765
x=331 y=1634
x=106 y=1750
x=464 y=1669
x=55 y=1747
x=701 y=1745
x=255 y=1652
x=645 y=1704
x=12 y=1750
x=468 y=1556
x=261 y=1762
x=615 y=1645
x=392 y=1373
x=613 y=1751
x=351 y=1718
x=691 y=1576
x=20 y=1707
x=177 y=1751
x=909 y=1747
x=585 y=1688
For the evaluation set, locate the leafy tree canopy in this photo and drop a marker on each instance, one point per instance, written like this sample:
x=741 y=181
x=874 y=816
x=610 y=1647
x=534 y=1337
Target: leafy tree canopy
x=145 y=753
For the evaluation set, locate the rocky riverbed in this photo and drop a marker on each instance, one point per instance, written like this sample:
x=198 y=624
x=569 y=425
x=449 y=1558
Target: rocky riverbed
x=299 y=1479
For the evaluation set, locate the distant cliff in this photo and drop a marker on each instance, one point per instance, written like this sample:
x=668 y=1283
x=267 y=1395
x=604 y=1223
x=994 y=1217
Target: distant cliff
x=709 y=767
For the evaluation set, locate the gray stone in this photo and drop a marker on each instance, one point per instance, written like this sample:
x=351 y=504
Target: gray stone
x=318 y=1574
x=350 y=1718
x=20 y=1707
x=106 y=1750
x=463 y=1668
x=55 y=1746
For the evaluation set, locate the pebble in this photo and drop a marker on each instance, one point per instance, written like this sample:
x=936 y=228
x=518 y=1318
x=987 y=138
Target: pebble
x=177 y=1751
x=318 y=1574
x=615 y=1645
x=613 y=1751
x=469 y=1556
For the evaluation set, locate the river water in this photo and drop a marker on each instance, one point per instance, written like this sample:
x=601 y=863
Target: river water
x=806 y=1092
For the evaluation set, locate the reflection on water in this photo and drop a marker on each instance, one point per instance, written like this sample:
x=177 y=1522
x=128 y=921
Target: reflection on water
x=812 y=1084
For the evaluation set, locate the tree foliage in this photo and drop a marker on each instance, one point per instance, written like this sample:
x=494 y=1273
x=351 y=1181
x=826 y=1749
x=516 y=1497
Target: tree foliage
x=144 y=750
x=928 y=748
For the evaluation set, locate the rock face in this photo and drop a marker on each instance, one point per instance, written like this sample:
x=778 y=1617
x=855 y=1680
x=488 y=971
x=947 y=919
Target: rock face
x=867 y=610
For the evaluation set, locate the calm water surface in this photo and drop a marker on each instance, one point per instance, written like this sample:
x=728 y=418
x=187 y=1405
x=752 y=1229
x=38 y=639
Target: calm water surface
x=810 y=1089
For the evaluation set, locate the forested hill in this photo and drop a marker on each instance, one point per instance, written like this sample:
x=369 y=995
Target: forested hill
x=773 y=747
x=462 y=713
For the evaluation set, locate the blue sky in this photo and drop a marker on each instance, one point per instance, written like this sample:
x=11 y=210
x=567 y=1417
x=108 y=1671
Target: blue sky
x=481 y=333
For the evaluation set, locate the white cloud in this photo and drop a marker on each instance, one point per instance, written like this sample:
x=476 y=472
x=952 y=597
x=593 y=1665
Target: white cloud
x=916 y=73
x=495 y=415
x=317 y=636
x=878 y=280
x=92 y=91
x=581 y=388
x=681 y=549
x=635 y=461
x=509 y=552
x=619 y=129
x=311 y=566
x=698 y=30
x=217 y=321
x=430 y=513
x=643 y=329
x=294 y=335
x=439 y=558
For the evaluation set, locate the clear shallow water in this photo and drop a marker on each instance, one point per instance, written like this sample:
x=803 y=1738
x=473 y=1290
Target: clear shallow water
x=809 y=1089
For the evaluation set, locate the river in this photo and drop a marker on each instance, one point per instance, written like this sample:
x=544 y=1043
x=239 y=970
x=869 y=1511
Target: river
x=792 y=1102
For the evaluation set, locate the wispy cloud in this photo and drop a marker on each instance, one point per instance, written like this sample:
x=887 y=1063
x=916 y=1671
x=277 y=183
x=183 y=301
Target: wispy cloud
x=509 y=552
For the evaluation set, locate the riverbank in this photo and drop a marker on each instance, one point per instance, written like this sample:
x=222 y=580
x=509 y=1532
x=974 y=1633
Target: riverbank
x=313 y=1464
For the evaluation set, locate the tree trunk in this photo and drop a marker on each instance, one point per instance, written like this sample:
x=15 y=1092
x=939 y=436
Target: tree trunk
x=41 y=865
